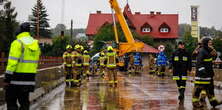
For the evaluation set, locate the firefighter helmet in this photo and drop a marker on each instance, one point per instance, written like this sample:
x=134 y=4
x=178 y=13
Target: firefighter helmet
x=68 y=47
x=77 y=46
x=109 y=48
x=85 y=52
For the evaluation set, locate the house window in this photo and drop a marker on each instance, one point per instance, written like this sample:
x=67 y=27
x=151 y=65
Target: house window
x=164 y=30
x=146 y=29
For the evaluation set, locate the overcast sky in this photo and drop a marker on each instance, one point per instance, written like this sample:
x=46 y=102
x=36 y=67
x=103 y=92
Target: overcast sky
x=79 y=10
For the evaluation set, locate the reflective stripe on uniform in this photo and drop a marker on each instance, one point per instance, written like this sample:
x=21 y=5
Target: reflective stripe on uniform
x=199 y=78
x=202 y=82
x=22 y=82
x=195 y=100
x=181 y=87
x=28 y=61
x=201 y=68
x=184 y=77
x=8 y=72
x=212 y=99
x=208 y=60
x=78 y=64
x=176 y=78
x=13 y=58
x=185 y=58
x=176 y=58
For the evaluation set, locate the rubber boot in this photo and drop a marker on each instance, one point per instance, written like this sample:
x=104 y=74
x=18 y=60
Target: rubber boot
x=181 y=95
x=197 y=105
x=215 y=103
x=203 y=95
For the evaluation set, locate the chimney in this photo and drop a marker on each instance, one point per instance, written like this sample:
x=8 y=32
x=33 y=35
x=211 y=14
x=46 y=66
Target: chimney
x=152 y=13
x=137 y=13
x=158 y=13
x=98 y=12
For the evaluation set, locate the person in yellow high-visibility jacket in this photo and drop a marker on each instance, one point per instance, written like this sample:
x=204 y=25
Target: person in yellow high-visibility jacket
x=101 y=63
x=67 y=58
x=111 y=64
x=77 y=65
x=21 y=69
x=86 y=60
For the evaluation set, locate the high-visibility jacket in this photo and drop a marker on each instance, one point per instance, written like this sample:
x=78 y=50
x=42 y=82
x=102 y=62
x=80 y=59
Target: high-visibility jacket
x=181 y=63
x=204 y=67
x=23 y=60
x=137 y=60
x=77 y=59
x=86 y=59
x=102 y=60
x=67 y=57
x=111 y=59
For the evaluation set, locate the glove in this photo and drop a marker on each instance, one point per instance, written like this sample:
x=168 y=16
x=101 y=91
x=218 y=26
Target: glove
x=7 y=78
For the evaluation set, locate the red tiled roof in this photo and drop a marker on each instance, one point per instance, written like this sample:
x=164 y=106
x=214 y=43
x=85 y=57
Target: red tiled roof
x=97 y=20
x=149 y=49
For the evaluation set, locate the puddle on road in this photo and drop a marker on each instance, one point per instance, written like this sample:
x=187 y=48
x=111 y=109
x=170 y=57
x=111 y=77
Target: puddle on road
x=138 y=94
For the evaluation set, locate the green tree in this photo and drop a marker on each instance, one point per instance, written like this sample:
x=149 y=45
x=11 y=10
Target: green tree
x=106 y=34
x=8 y=26
x=190 y=42
x=217 y=42
x=40 y=10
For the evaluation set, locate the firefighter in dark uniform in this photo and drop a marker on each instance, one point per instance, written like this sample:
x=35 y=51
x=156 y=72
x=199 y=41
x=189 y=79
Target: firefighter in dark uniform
x=181 y=65
x=67 y=58
x=204 y=74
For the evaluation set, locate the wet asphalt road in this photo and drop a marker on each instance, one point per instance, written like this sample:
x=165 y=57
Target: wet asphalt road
x=141 y=92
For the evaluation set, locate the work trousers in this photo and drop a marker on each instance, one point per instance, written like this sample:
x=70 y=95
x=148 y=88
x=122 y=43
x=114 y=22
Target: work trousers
x=181 y=85
x=209 y=88
x=68 y=73
x=14 y=93
x=112 y=74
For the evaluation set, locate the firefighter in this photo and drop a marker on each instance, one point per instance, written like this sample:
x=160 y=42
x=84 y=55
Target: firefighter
x=21 y=69
x=204 y=74
x=181 y=65
x=137 y=63
x=67 y=58
x=131 y=67
x=111 y=61
x=86 y=61
x=101 y=63
x=152 y=69
x=161 y=63
x=77 y=65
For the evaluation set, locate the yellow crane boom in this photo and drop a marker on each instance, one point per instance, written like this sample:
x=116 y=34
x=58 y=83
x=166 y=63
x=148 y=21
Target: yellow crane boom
x=131 y=44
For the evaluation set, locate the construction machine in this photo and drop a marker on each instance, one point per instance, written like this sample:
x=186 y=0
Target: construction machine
x=123 y=47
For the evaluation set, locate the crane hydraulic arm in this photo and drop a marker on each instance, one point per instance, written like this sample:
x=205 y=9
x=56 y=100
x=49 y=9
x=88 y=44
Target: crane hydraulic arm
x=131 y=45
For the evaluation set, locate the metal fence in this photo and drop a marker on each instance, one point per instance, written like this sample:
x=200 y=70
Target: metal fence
x=44 y=62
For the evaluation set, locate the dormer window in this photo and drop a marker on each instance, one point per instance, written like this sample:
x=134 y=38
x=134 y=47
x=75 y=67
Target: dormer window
x=146 y=28
x=164 y=28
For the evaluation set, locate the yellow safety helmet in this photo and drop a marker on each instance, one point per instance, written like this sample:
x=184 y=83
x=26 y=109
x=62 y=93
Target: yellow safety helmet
x=109 y=48
x=77 y=46
x=102 y=53
x=81 y=47
x=68 y=47
x=85 y=51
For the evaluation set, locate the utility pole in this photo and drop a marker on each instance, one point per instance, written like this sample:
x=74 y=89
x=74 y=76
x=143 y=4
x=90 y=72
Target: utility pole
x=71 y=31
